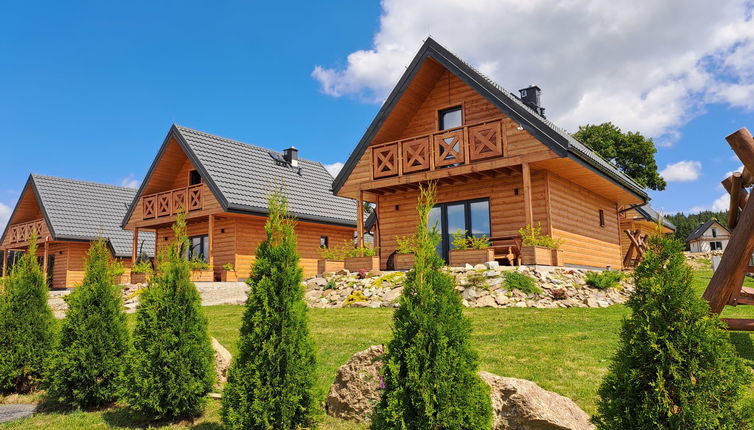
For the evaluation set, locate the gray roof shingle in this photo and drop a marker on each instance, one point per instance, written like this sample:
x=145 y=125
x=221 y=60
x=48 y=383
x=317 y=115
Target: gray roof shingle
x=244 y=175
x=80 y=210
x=696 y=234
x=650 y=214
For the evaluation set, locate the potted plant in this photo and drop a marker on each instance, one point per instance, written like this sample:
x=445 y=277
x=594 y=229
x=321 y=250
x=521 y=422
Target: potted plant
x=200 y=270
x=470 y=249
x=331 y=261
x=404 y=253
x=229 y=273
x=362 y=258
x=120 y=277
x=141 y=272
x=539 y=249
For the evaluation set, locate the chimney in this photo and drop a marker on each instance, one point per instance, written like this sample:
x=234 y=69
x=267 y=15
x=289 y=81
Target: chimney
x=530 y=97
x=290 y=156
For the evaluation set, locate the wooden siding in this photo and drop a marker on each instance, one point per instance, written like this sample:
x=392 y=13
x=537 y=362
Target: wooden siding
x=575 y=219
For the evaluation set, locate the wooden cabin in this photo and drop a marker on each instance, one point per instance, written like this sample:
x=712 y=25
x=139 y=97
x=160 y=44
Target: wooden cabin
x=223 y=186
x=644 y=221
x=499 y=164
x=67 y=215
x=709 y=236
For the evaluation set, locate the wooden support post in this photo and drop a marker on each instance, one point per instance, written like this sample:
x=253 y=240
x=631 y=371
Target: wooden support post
x=135 y=247
x=736 y=186
x=747 y=177
x=744 y=195
x=360 y=219
x=210 y=247
x=528 y=210
x=44 y=259
x=5 y=262
x=726 y=281
x=739 y=324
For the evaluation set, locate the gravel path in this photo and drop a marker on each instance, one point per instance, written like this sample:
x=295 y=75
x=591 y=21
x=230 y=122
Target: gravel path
x=15 y=412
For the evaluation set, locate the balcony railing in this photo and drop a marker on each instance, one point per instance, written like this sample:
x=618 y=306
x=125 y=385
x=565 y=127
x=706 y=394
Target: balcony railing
x=446 y=148
x=22 y=232
x=168 y=203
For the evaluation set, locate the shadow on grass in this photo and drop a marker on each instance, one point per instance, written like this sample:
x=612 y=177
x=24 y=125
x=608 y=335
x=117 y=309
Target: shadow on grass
x=124 y=417
x=744 y=345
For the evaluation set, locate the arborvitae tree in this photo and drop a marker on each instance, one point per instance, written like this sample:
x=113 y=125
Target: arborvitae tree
x=430 y=369
x=171 y=366
x=88 y=359
x=270 y=382
x=26 y=324
x=675 y=367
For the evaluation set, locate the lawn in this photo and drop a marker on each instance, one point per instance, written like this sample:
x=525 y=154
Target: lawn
x=563 y=350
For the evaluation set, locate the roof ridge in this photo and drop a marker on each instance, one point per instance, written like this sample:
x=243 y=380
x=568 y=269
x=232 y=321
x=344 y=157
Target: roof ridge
x=81 y=181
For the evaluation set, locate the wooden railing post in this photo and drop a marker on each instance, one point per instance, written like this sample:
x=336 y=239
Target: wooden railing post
x=135 y=246
x=210 y=237
x=44 y=259
x=5 y=261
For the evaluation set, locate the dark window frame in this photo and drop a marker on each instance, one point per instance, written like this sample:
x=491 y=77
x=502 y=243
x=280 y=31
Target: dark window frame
x=324 y=242
x=443 y=207
x=204 y=243
x=442 y=112
x=602 y=218
x=192 y=175
x=714 y=232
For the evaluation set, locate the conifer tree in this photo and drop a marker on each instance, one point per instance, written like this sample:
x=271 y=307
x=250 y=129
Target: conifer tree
x=675 y=367
x=171 y=365
x=26 y=324
x=270 y=382
x=88 y=358
x=430 y=369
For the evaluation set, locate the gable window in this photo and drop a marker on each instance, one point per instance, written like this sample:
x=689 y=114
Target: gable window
x=194 y=178
x=714 y=232
x=715 y=246
x=323 y=242
x=450 y=118
x=602 y=218
x=198 y=248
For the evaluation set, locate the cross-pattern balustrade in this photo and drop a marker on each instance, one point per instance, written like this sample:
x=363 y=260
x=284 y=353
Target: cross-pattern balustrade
x=21 y=233
x=168 y=203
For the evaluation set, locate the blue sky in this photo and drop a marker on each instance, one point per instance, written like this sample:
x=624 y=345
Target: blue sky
x=88 y=90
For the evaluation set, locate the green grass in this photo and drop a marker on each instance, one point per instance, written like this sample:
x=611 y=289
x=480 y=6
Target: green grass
x=563 y=350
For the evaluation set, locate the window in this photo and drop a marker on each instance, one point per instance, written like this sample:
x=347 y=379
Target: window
x=450 y=118
x=602 y=218
x=194 y=178
x=715 y=246
x=473 y=216
x=323 y=242
x=714 y=232
x=198 y=248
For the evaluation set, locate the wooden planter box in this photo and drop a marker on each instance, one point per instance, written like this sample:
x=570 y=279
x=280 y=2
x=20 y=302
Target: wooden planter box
x=329 y=266
x=122 y=279
x=202 y=275
x=354 y=264
x=403 y=261
x=462 y=257
x=228 y=276
x=139 y=278
x=539 y=255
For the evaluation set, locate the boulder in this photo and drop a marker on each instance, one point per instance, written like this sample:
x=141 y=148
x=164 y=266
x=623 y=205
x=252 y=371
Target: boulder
x=393 y=294
x=518 y=404
x=222 y=361
x=356 y=389
x=486 y=302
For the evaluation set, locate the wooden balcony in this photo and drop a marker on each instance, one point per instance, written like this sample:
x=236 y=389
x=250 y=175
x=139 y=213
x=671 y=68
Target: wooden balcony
x=168 y=203
x=439 y=150
x=21 y=233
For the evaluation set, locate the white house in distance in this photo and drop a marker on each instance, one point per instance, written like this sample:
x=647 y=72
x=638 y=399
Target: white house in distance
x=710 y=236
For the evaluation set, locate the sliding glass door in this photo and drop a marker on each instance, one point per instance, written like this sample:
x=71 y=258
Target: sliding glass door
x=471 y=216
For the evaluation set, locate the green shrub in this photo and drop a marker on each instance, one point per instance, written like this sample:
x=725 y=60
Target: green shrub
x=197 y=263
x=479 y=242
x=675 y=367
x=89 y=356
x=116 y=268
x=389 y=280
x=605 y=279
x=171 y=365
x=142 y=266
x=26 y=325
x=271 y=380
x=331 y=253
x=532 y=236
x=519 y=281
x=406 y=244
x=331 y=285
x=356 y=296
x=362 y=251
x=460 y=241
x=430 y=370
x=228 y=267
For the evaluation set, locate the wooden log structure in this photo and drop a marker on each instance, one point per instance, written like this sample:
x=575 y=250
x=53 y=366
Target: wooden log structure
x=725 y=287
x=638 y=244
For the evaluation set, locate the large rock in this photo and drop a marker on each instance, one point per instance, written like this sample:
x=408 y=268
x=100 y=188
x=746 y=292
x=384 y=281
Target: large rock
x=356 y=389
x=222 y=361
x=518 y=404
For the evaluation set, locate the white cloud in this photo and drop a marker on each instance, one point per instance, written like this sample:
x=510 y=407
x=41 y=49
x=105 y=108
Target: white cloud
x=5 y=212
x=647 y=66
x=720 y=204
x=129 y=181
x=334 y=168
x=682 y=171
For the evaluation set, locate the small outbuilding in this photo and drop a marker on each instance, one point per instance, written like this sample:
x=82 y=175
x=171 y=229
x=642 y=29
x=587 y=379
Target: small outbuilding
x=709 y=236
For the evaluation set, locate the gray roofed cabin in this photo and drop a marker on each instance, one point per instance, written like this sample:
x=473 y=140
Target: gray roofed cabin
x=223 y=185
x=709 y=236
x=67 y=215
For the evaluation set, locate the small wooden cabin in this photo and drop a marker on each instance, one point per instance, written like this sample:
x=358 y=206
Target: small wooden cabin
x=645 y=219
x=500 y=165
x=67 y=215
x=223 y=185
x=709 y=236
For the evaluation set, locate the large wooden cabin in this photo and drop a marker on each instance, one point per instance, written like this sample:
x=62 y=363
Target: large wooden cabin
x=67 y=215
x=499 y=163
x=223 y=186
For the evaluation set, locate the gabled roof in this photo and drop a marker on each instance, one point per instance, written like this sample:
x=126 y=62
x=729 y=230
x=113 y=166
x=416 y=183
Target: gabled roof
x=241 y=177
x=648 y=213
x=696 y=234
x=84 y=211
x=557 y=139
